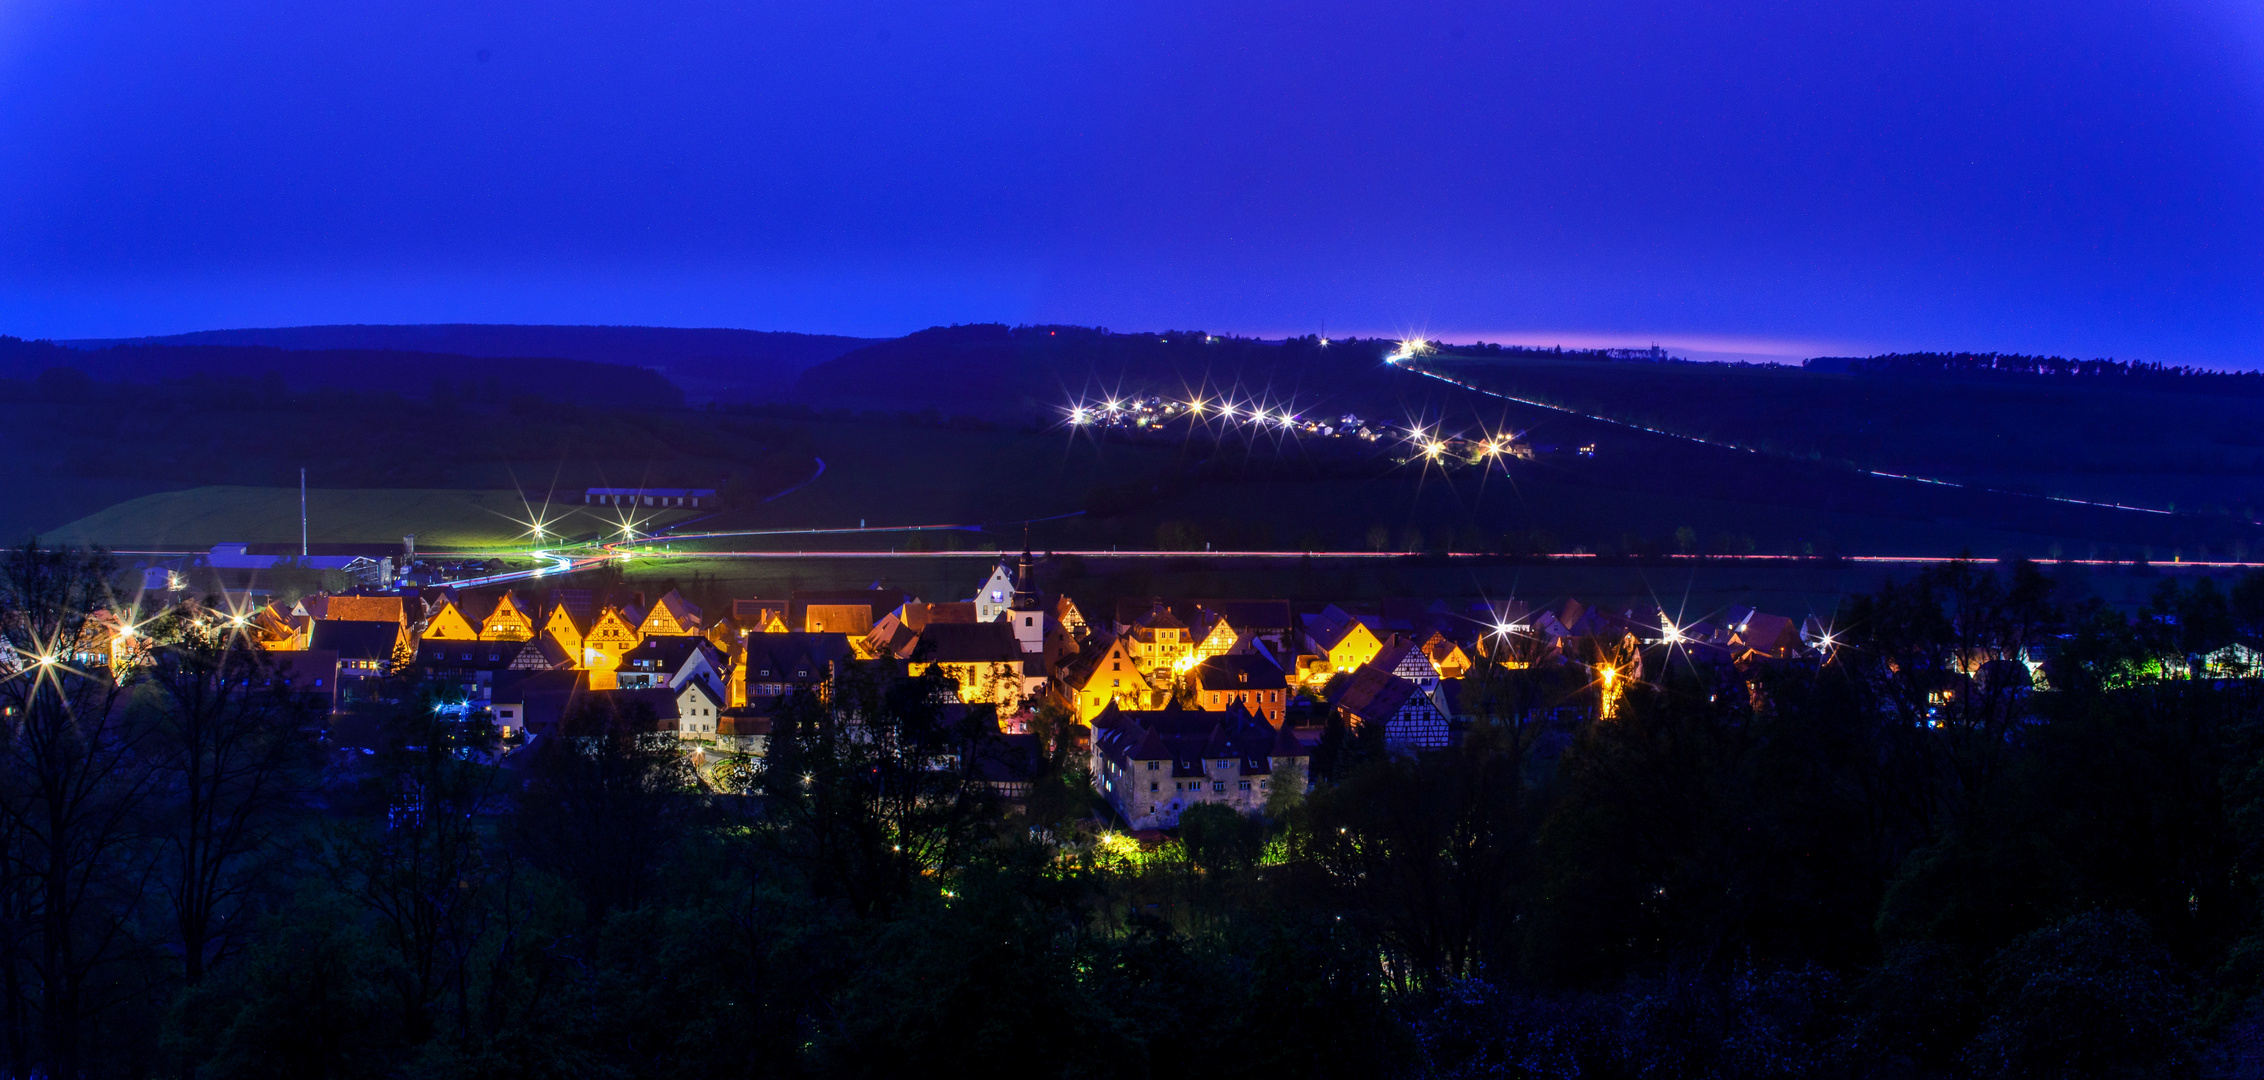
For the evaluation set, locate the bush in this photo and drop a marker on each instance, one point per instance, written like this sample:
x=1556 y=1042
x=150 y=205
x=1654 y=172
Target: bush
x=2091 y=996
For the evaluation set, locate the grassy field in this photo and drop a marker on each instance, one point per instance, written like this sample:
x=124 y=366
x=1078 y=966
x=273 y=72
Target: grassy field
x=883 y=474
x=39 y=502
x=201 y=517
x=1639 y=493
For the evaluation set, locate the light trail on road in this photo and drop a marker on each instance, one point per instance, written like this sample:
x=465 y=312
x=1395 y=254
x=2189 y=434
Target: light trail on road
x=1589 y=557
x=1632 y=426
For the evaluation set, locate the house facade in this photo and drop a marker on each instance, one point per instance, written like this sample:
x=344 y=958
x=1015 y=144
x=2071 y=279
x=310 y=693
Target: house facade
x=1249 y=682
x=1105 y=675
x=1151 y=765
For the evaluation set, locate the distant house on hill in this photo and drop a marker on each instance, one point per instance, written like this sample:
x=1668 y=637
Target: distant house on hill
x=687 y=498
x=240 y=557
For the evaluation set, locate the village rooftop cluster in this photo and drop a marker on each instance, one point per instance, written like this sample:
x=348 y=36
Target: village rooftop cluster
x=1176 y=701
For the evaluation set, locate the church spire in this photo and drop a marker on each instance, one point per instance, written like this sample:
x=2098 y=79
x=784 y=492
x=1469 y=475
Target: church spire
x=1026 y=596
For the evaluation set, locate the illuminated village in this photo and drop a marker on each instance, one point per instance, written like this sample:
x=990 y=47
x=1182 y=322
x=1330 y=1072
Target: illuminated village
x=1173 y=701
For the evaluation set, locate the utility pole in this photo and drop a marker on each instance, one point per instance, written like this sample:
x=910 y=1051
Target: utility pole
x=302 y=512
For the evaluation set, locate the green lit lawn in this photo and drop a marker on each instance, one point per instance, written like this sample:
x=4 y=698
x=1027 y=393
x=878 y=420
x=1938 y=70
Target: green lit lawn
x=201 y=517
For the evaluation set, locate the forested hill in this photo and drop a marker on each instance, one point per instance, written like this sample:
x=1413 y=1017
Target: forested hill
x=417 y=375
x=1017 y=373
x=708 y=363
x=2136 y=374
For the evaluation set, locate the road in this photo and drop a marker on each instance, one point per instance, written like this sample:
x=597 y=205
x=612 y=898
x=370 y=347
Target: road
x=1750 y=450
x=565 y=564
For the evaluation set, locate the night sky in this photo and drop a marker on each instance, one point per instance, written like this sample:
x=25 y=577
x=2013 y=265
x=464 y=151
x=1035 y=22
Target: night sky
x=1727 y=178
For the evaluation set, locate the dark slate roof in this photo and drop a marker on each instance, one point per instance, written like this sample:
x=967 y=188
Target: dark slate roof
x=1080 y=669
x=706 y=687
x=670 y=493
x=1188 y=737
x=968 y=643
x=891 y=637
x=468 y=655
x=1395 y=650
x=743 y=721
x=1458 y=696
x=1329 y=635
x=545 y=695
x=1373 y=694
x=782 y=657
x=1160 y=618
x=353 y=639
x=665 y=653
x=1009 y=760
x=662 y=701
x=580 y=604
x=307 y=671
x=1238 y=672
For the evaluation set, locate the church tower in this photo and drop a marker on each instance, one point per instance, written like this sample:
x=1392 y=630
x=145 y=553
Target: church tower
x=1027 y=609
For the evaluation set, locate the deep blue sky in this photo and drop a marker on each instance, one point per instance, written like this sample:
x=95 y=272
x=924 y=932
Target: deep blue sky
x=2068 y=176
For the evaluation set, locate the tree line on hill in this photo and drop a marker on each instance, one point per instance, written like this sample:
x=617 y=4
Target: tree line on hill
x=2136 y=374
x=1017 y=373
x=1805 y=871
x=471 y=432
x=435 y=377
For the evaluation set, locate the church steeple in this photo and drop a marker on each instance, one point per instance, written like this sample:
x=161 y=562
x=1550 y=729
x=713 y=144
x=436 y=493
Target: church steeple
x=1026 y=596
x=1027 y=611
